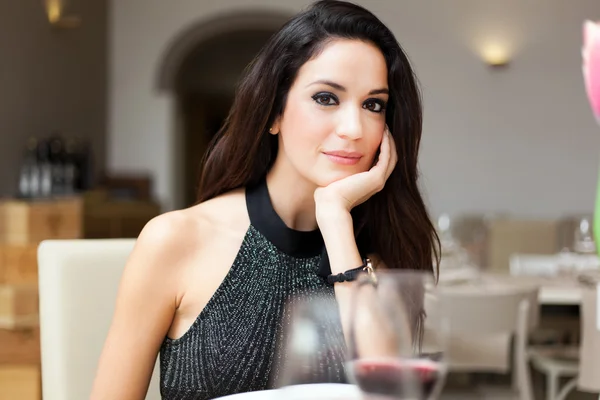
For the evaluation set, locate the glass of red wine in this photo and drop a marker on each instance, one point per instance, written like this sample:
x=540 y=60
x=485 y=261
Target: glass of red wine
x=395 y=344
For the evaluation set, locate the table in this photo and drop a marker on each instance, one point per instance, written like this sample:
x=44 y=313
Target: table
x=563 y=296
x=554 y=290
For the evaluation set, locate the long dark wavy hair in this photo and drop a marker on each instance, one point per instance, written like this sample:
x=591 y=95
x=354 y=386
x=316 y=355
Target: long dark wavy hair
x=393 y=224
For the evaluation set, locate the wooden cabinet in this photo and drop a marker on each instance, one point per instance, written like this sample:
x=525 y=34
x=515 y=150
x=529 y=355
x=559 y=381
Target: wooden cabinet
x=20 y=346
x=19 y=305
x=104 y=217
x=30 y=222
x=23 y=225
x=22 y=382
x=18 y=264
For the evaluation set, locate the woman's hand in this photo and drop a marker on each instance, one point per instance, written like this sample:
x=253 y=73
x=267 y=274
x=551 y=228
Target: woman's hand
x=333 y=205
x=345 y=194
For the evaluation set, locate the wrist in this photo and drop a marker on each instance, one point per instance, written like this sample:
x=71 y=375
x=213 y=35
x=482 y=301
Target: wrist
x=327 y=201
x=332 y=215
x=351 y=274
x=341 y=245
x=336 y=226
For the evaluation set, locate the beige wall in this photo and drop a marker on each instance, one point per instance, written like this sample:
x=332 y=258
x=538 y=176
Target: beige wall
x=520 y=140
x=50 y=80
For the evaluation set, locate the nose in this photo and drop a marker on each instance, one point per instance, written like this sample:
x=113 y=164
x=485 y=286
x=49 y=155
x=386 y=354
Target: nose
x=349 y=125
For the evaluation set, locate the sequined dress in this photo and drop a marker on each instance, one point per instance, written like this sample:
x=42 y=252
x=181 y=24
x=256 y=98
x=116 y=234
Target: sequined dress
x=232 y=347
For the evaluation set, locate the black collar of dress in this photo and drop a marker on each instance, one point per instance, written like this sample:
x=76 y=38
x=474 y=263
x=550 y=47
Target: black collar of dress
x=301 y=244
x=265 y=219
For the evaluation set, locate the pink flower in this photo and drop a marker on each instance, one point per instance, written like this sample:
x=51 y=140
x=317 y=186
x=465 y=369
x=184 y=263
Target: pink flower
x=591 y=64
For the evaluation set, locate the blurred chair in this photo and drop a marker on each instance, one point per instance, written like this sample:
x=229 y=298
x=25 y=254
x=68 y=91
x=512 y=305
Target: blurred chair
x=489 y=329
x=555 y=362
x=78 y=283
x=588 y=379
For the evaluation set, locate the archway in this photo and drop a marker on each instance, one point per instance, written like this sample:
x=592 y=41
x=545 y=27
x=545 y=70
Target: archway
x=199 y=71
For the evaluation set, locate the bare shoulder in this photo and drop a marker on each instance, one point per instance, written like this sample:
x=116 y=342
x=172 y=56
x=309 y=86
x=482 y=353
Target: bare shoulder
x=181 y=233
x=225 y=212
x=168 y=235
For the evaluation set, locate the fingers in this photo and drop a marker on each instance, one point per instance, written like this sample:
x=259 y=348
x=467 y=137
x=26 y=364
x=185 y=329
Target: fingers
x=388 y=147
x=387 y=160
x=384 y=151
x=393 y=154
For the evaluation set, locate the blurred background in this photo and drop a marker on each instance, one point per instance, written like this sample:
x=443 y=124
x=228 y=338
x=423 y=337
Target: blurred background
x=108 y=105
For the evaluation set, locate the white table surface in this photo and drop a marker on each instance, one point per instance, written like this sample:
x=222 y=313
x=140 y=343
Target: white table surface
x=550 y=295
x=553 y=290
x=320 y=391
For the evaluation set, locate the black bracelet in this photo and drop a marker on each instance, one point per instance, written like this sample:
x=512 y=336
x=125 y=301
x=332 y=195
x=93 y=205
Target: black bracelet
x=352 y=274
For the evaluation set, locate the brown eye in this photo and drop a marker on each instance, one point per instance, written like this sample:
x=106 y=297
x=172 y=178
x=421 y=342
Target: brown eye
x=374 y=105
x=325 y=99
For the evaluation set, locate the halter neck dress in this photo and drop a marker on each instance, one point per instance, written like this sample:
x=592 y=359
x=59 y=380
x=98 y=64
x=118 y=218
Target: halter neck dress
x=232 y=346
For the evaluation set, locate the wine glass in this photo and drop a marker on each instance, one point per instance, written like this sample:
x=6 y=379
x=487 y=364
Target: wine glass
x=446 y=238
x=566 y=263
x=311 y=358
x=584 y=242
x=395 y=343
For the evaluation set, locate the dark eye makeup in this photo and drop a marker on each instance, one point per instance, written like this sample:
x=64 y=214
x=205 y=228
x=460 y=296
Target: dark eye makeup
x=329 y=99
x=325 y=99
x=375 y=105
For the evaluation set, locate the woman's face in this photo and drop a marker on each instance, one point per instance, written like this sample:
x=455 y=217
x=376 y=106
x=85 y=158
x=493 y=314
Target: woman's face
x=334 y=118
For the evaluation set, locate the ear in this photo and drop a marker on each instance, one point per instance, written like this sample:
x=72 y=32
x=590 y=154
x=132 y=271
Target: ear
x=275 y=128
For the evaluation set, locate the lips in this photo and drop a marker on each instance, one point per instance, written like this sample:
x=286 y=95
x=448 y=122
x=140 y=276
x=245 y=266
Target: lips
x=343 y=157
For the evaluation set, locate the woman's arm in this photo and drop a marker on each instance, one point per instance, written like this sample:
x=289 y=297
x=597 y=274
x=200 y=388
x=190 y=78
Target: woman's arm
x=145 y=307
x=344 y=255
x=338 y=234
x=333 y=205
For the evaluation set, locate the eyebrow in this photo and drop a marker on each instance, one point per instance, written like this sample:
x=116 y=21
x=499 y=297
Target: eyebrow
x=343 y=89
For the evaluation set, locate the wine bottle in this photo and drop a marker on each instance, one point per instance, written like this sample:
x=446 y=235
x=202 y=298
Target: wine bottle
x=70 y=167
x=57 y=149
x=27 y=183
x=45 y=168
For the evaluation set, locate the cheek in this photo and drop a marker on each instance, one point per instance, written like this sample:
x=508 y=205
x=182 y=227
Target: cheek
x=304 y=127
x=374 y=142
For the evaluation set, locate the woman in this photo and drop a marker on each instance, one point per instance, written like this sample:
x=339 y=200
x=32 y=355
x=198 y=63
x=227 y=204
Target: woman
x=304 y=180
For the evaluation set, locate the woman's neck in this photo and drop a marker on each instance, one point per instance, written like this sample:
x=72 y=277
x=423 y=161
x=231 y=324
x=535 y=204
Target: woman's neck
x=293 y=198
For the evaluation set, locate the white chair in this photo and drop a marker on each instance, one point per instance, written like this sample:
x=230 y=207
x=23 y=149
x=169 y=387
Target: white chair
x=559 y=289
x=483 y=321
x=78 y=283
x=588 y=379
x=554 y=361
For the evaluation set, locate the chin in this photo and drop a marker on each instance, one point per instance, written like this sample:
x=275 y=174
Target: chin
x=326 y=178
